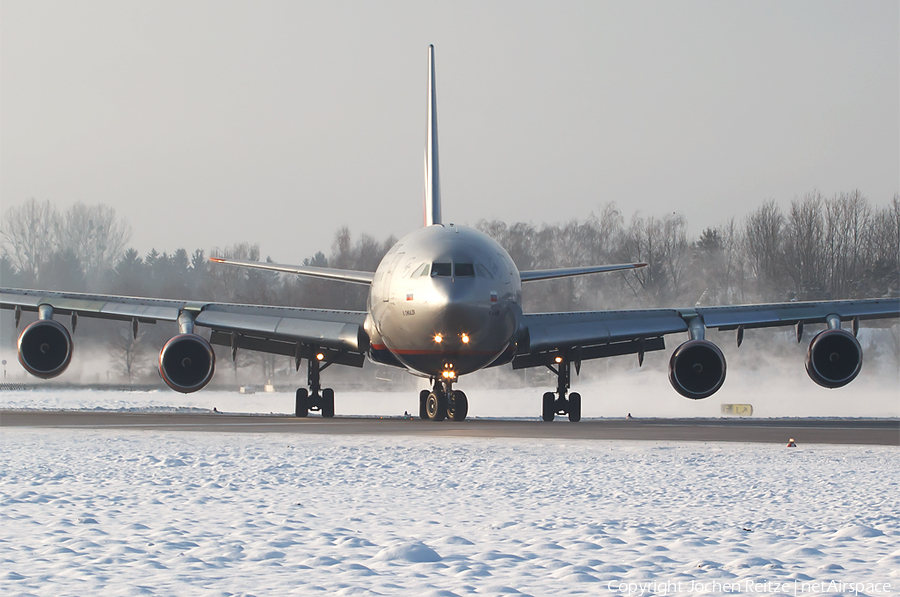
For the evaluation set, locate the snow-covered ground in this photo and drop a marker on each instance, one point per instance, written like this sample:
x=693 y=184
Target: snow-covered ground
x=97 y=512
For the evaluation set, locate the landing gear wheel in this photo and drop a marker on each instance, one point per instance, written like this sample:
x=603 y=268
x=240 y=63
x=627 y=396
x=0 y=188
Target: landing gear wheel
x=423 y=410
x=327 y=403
x=574 y=407
x=436 y=406
x=301 y=406
x=548 y=412
x=457 y=406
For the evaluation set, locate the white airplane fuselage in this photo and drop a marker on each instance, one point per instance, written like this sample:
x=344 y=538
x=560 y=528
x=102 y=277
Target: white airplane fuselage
x=445 y=301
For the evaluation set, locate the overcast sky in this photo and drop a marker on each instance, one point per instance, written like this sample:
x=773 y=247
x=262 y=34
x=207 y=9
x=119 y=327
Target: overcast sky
x=210 y=123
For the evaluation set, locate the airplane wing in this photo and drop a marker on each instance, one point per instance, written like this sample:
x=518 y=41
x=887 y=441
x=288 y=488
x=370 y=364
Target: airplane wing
x=590 y=335
x=343 y=275
x=566 y=272
x=301 y=333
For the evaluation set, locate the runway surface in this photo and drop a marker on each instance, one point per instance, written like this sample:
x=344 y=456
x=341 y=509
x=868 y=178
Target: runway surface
x=815 y=431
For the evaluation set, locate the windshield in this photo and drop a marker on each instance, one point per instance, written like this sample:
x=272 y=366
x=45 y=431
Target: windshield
x=442 y=270
x=465 y=270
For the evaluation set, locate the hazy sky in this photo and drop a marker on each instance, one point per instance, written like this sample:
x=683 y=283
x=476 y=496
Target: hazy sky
x=210 y=123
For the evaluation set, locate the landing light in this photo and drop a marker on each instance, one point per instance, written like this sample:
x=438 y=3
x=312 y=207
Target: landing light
x=449 y=374
x=438 y=338
x=320 y=357
x=558 y=359
x=465 y=338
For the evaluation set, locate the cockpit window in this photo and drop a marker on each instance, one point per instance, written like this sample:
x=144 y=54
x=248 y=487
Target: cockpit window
x=483 y=271
x=465 y=270
x=422 y=270
x=443 y=270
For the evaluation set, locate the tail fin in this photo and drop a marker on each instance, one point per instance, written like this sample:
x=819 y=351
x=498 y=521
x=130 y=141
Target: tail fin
x=432 y=176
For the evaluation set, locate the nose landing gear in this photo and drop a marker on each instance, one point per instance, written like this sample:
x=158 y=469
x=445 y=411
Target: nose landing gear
x=443 y=402
x=558 y=403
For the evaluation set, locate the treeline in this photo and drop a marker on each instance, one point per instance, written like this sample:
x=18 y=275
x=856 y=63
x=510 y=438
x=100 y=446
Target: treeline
x=820 y=248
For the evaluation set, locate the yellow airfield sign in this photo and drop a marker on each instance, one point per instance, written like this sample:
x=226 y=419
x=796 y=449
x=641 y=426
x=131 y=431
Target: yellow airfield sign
x=737 y=410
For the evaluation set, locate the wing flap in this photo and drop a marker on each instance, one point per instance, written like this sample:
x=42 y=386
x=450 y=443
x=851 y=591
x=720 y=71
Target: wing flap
x=338 y=335
x=549 y=331
x=536 y=359
x=284 y=348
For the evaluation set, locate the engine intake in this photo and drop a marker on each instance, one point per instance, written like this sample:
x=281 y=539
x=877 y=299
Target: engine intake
x=834 y=358
x=697 y=369
x=187 y=363
x=45 y=348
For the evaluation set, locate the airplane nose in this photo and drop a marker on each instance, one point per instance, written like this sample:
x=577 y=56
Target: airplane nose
x=460 y=312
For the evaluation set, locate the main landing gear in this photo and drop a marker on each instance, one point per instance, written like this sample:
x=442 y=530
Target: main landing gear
x=315 y=399
x=558 y=403
x=443 y=402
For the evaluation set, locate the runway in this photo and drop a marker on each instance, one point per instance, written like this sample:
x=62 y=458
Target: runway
x=804 y=431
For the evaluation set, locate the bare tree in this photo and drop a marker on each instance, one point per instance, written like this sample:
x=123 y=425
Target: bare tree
x=733 y=263
x=95 y=236
x=237 y=284
x=762 y=237
x=128 y=353
x=29 y=236
x=804 y=246
x=883 y=269
x=849 y=218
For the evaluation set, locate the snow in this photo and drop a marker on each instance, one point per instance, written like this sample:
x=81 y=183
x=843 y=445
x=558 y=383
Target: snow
x=641 y=392
x=129 y=512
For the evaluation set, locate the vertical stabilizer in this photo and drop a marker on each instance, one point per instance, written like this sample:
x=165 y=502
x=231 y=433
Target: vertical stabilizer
x=432 y=176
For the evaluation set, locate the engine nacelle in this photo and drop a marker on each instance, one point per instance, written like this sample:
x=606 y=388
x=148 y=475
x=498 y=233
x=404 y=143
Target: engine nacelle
x=187 y=363
x=45 y=348
x=834 y=358
x=697 y=369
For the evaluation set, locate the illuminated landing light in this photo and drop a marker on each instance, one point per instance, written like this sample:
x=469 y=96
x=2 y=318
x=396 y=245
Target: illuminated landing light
x=320 y=357
x=449 y=374
x=465 y=338
x=558 y=359
x=438 y=338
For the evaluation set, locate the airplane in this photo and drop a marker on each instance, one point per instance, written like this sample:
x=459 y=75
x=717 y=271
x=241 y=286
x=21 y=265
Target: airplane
x=444 y=302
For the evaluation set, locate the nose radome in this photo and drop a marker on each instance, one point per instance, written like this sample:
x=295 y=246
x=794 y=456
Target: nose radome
x=463 y=318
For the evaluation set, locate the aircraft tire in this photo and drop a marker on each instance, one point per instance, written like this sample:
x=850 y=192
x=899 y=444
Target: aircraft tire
x=549 y=407
x=327 y=403
x=423 y=410
x=574 y=407
x=436 y=405
x=301 y=406
x=457 y=406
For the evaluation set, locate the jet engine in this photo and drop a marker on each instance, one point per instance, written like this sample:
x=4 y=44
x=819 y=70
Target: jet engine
x=187 y=363
x=697 y=369
x=834 y=358
x=45 y=348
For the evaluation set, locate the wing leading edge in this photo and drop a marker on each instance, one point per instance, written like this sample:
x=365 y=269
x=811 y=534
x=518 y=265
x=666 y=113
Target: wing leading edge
x=566 y=272
x=277 y=330
x=342 y=275
x=599 y=334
